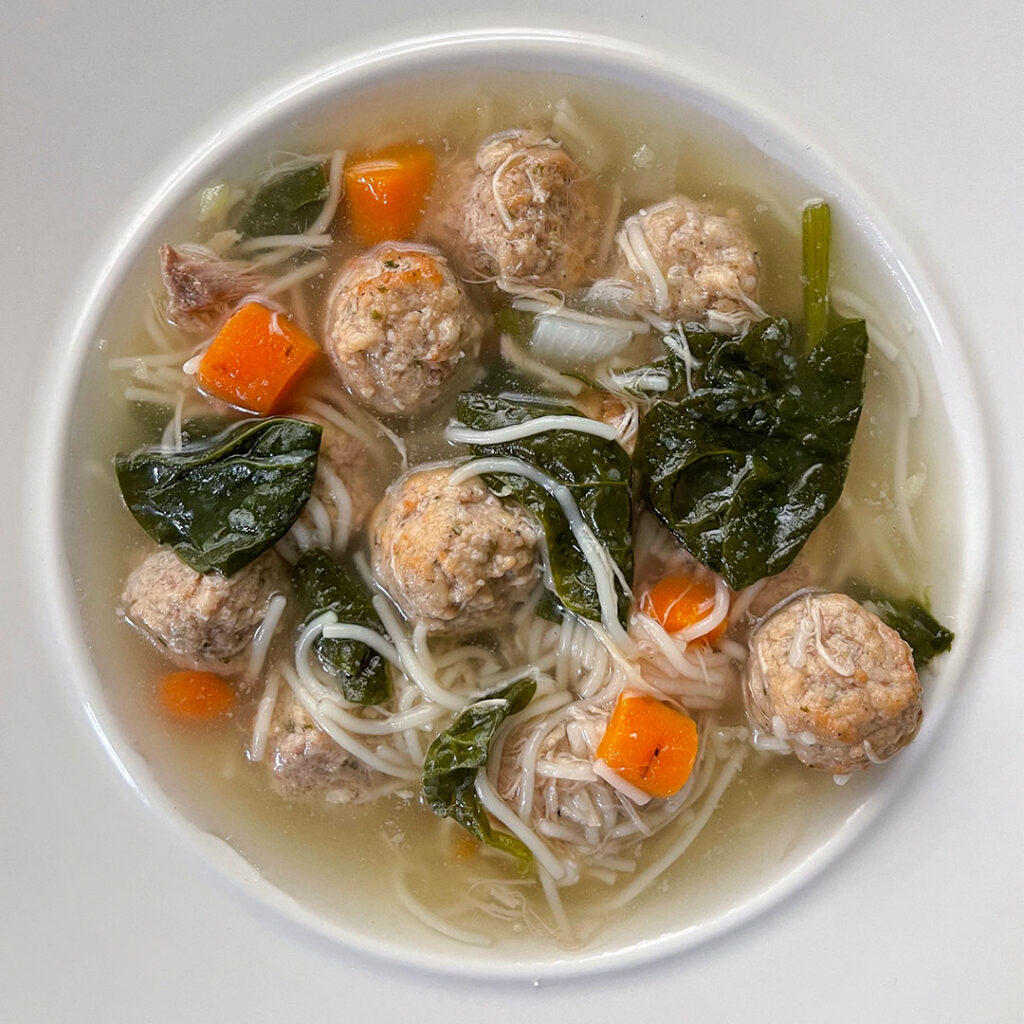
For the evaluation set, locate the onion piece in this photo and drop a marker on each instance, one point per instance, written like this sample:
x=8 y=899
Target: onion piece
x=572 y=341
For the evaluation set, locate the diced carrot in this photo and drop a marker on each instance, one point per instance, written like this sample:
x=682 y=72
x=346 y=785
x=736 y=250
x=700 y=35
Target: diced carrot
x=255 y=359
x=649 y=744
x=679 y=601
x=386 y=192
x=192 y=696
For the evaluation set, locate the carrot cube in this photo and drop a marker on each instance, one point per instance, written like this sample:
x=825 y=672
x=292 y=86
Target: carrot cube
x=649 y=744
x=255 y=359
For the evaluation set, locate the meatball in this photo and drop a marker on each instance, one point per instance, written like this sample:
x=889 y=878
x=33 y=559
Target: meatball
x=398 y=324
x=835 y=681
x=305 y=761
x=522 y=209
x=203 y=619
x=707 y=262
x=453 y=557
x=343 y=460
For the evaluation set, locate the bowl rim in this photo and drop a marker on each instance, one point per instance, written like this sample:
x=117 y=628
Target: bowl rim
x=600 y=56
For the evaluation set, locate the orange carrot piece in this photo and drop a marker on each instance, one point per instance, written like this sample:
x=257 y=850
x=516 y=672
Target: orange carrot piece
x=649 y=744
x=255 y=359
x=192 y=696
x=680 y=601
x=386 y=192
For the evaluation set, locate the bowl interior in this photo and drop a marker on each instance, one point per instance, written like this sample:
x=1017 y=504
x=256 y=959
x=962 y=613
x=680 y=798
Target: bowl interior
x=760 y=846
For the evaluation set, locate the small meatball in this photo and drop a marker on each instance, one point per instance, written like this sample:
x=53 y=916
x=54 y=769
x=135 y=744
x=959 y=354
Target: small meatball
x=203 y=619
x=453 y=557
x=398 y=325
x=344 y=476
x=707 y=262
x=523 y=210
x=306 y=762
x=202 y=288
x=831 y=678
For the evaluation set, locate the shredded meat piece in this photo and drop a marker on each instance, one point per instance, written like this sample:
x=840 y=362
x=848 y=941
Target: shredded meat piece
x=202 y=288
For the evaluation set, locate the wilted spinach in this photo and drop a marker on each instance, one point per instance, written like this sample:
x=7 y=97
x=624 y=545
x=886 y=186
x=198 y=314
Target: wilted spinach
x=286 y=201
x=745 y=466
x=222 y=501
x=922 y=632
x=458 y=753
x=596 y=471
x=322 y=585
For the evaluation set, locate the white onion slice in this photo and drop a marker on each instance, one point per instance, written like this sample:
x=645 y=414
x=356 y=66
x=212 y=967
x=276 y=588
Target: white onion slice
x=571 y=341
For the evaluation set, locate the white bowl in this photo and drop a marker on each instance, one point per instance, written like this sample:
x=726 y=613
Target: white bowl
x=752 y=889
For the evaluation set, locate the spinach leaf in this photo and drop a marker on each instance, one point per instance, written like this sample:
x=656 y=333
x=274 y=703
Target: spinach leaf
x=743 y=468
x=597 y=471
x=910 y=618
x=458 y=753
x=286 y=201
x=322 y=585
x=221 y=502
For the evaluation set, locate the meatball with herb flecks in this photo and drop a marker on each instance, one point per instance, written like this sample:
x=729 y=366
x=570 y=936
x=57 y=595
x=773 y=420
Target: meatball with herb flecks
x=832 y=680
x=204 y=619
x=688 y=263
x=398 y=325
x=521 y=211
x=454 y=557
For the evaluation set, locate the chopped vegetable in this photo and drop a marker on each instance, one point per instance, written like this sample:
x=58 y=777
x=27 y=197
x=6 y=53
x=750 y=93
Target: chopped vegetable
x=386 y=192
x=743 y=468
x=192 y=696
x=679 y=601
x=255 y=359
x=597 y=472
x=817 y=229
x=569 y=341
x=911 y=619
x=322 y=585
x=649 y=744
x=221 y=502
x=286 y=201
x=458 y=753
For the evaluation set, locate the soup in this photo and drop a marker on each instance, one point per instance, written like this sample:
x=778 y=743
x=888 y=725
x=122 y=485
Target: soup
x=489 y=661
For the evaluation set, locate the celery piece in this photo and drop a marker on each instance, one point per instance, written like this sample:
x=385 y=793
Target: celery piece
x=817 y=229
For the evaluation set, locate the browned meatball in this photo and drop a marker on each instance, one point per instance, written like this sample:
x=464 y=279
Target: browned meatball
x=523 y=210
x=203 y=619
x=834 y=681
x=305 y=762
x=707 y=262
x=453 y=557
x=398 y=324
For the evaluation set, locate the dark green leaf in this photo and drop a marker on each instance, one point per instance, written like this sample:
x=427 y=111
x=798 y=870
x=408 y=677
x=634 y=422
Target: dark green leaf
x=458 y=753
x=286 y=202
x=221 y=502
x=322 y=585
x=744 y=467
x=910 y=618
x=598 y=472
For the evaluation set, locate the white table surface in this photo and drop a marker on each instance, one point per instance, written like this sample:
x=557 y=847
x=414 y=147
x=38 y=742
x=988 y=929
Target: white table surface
x=105 y=917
